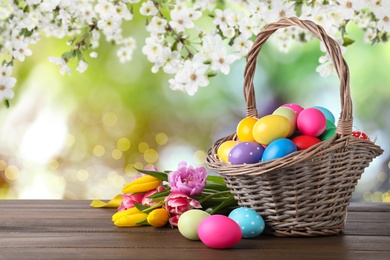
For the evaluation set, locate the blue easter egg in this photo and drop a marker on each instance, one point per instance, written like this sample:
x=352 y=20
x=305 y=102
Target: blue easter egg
x=245 y=153
x=278 y=148
x=250 y=222
x=328 y=115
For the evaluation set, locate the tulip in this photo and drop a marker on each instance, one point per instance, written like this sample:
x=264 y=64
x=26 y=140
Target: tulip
x=129 y=200
x=129 y=218
x=178 y=203
x=146 y=201
x=158 y=217
x=142 y=184
x=187 y=179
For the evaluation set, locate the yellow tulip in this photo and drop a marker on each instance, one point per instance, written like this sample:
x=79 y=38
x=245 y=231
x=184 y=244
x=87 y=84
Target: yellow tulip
x=128 y=218
x=142 y=184
x=158 y=217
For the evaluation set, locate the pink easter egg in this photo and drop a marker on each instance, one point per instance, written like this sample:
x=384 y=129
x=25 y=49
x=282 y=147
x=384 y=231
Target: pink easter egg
x=294 y=107
x=311 y=121
x=219 y=231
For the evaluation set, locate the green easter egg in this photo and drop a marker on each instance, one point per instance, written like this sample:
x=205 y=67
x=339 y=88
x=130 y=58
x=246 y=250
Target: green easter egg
x=329 y=124
x=327 y=134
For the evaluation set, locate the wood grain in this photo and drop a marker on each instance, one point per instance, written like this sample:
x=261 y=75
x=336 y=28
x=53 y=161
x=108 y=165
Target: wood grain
x=59 y=229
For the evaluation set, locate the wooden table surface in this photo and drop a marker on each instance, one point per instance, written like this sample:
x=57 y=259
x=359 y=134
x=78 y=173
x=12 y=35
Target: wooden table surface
x=61 y=229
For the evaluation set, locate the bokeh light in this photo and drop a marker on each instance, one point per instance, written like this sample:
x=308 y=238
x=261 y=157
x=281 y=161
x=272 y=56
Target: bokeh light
x=12 y=172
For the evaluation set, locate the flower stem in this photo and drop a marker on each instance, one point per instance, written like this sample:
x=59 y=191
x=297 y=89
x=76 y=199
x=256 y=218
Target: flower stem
x=229 y=202
x=221 y=193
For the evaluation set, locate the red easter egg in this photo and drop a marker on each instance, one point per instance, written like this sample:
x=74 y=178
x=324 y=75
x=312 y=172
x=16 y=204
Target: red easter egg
x=305 y=141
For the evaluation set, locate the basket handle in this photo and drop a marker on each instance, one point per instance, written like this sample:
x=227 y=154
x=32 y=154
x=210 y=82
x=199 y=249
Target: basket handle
x=344 y=125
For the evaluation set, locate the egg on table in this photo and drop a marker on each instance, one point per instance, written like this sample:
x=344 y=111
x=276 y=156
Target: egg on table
x=250 y=222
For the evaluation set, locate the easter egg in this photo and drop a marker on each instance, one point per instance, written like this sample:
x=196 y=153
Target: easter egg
x=328 y=115
x=295 y=107
x=303 y=142
x=311 y=121
x=245 y=153
x=290 y=115
x=278 y=148
x=244 y=129
x=270 y=128
x=327 y=134
x=329 y=124
x=189 y=221
x=219 y=231
x=224 y=150
x=250 y=222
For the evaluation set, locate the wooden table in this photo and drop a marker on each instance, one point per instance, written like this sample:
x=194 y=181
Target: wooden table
x=60 y=229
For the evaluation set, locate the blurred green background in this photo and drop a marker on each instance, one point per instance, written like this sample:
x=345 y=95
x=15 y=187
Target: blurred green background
x=79 y=136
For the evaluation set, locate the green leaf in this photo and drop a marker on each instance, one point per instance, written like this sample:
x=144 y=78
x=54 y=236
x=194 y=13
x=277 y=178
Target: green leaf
x=160 y=194
x=140 y=207
x=6 y=103
x=211 y=74
x=25 y=32
x=68 y=55
x=298 y=7
x=142 y=222
x=160 y=175
x=384 y=37
x=231 y=202
x=216 y=179
x=216 y=187
x=347 y=41
x=216 y=194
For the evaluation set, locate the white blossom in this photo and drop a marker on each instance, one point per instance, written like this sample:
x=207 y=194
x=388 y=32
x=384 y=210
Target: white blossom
x=384 y=23
x=21 y=50
x=110 y=26
x=152 y=49
x=124 y=54
x=105 y=9
x=227 y=31
x=61 y=64
x=148 y=8
x=279 y=10
x=221 y=17
x=82 y=66
x=93 y=55
x=48 y=5
x=156 y=25
x=221 y=60
x=242 y=44
x=122 y=11
x=6 y=83
x=192 y=75
x=5 y=71
x=181 y=20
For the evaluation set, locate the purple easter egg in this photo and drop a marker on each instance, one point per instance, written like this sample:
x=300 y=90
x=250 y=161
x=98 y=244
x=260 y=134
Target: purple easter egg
x=246 y=152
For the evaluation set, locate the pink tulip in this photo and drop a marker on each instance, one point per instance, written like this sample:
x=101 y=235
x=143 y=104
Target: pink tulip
x=188 y=180
x=177 y=203
x=129 y=200
x=148 y=201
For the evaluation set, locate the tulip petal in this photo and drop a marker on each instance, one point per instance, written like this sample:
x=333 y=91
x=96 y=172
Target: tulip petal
x=128 y=218
x=142 y=184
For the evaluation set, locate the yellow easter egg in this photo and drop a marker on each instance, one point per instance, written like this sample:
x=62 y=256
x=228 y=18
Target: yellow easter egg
x=290 y=115
x=270 y=128
x=244 y=129
x=224 y=150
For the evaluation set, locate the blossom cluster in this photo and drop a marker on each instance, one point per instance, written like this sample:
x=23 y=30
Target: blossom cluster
x=189 y=40
x=147 y=200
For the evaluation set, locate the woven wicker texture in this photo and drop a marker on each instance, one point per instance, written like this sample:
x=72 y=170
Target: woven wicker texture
x=305 y=193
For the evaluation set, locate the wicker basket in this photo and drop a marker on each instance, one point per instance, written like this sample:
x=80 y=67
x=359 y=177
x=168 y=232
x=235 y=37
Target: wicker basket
x=305 y=193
